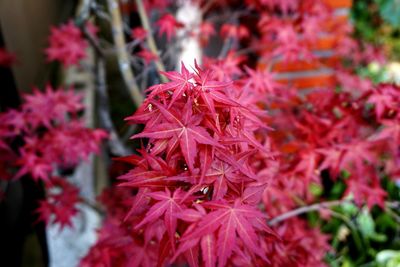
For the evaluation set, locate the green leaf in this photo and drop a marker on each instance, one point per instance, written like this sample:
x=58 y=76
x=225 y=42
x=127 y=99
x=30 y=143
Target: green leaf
x=349 y=208
x=388 y=258
x=316 y=189
x=366 y=223
x=390 y=12
x=345 y=174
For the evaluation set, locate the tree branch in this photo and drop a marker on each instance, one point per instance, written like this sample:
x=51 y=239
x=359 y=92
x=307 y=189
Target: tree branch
x=306 y=209
x=122 y=55
x=115 y=145
x=94 y=205
x=150 y=40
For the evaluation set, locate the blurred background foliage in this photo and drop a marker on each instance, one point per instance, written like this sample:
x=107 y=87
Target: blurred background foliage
x=359 y=236
x=362 y=237
x=378 y=22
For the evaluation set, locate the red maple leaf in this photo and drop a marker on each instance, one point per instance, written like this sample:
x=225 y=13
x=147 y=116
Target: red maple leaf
x=66 y=44
x=184 y=132
x=234 y=31
x=179 y=85
x=147 y=56
x=167 y=206
x=139 y=34
x=168 y=24
x=209 y=90
x=230 y=223
x=384 y=99
x=262 y=81
x=206 y=30
x=60 y=203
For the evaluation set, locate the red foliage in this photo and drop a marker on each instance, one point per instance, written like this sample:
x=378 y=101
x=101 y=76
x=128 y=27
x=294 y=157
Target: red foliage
x=51 y=137
x=139 y=33
x=147 y=56
x=167 y=25
x=66 y=44
x=234 y=31
x=60 y=204
x=195 y=174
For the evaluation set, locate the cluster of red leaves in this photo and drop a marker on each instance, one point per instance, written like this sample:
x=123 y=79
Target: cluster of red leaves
x=138 y=33
x=234 y=31
x=59 y=207
x=44 y=136
x=167 y=25
x=197 y=189
x=66 y=44
x=291 y=36
x=353 y=136
x=300 y=245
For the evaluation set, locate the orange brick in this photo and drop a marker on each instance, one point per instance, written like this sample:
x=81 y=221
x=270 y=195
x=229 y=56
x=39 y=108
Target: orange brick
x=339 y=3
x=305 y=65
x=310 y=82
x=324 y=43
x=335 y=21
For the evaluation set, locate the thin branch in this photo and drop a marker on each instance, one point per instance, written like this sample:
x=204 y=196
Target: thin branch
x=95 y=44
x=306 y=209
x=99 y=209
x=207 y=6
x=114 y=143
x=122 y=55
x=172 y=48
x=99 y=11
x=150 y=39
x=395 y=205
x=83 y=10
x=226 y=47
x=318 y=206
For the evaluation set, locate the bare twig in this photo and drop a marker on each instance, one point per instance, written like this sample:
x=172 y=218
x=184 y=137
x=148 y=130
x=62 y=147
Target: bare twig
x=393 y=205
x=99 y=10
x=207 y=6
x=150 y=40
x=95 y=44
x=99 y=209
x=318 y=206
x=122 y=55
x=83 y=10
x=228 y=43
x=115 y=145
x=306 y=209
x=390 y=206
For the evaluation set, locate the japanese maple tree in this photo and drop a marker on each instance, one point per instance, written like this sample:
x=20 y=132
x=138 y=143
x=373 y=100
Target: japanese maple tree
x=230 y=153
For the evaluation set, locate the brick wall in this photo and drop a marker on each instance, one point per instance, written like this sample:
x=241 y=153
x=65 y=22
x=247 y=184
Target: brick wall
x=318 y=73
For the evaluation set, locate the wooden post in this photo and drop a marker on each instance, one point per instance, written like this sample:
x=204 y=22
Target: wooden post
x=25 y=26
